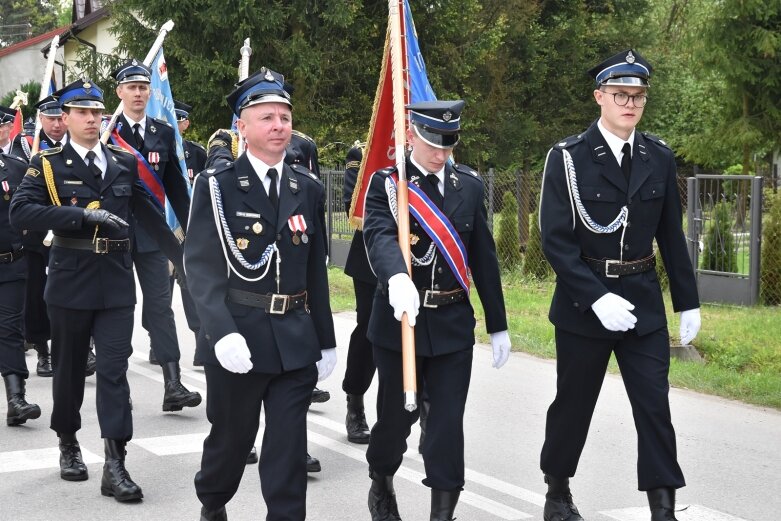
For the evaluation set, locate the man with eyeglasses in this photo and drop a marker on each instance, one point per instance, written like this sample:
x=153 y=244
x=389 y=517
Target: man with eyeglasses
x=607 y=194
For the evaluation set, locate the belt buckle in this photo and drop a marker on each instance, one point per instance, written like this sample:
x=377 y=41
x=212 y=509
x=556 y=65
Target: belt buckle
x=427 y=296
x=279 y=304
x=608 y=263
x=101 y=245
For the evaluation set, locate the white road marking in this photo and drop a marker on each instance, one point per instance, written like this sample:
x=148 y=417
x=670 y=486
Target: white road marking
x=690 y=513
x=36 y=459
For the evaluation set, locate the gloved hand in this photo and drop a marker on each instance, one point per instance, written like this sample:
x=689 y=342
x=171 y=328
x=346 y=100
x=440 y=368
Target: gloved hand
x=96 y=216
x=500 y=343
x=233 y=354
x=690 y=325
x=325 y=366
x=614 y=312
x=403 y=297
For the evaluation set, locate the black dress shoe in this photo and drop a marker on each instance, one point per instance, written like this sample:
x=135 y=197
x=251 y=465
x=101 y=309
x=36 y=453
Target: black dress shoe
x=214 y=515
x=92 y=362
x=72 y=467
x=19 y=411
x=357 y=428
x=312 y=464
x=44 y=368
x=177 y=396
x=558 y=501
x=116 y=481
x=252 y=457
x=320 y=396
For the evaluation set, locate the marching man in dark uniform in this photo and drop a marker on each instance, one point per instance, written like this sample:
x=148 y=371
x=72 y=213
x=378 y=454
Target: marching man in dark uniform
x=446 y=203
x=13 y=273
x=259 y=281
x=360 y=364
x=154 y=141
x=607 y=194
x=7 y=115
x=85 y=192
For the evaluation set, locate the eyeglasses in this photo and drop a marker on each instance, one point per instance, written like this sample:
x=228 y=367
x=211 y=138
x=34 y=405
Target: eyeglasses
x=622 y=98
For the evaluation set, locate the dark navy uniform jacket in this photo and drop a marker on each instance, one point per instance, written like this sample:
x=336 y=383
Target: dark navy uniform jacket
x=194 y=158
x=277 y=342
x=159 y=138
x=654 y=213
x=448 y=328
x=12 y=169
x=81 y=279
x=357 y=264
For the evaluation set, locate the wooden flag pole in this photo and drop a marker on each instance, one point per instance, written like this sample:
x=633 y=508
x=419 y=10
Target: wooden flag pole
x=47 y=78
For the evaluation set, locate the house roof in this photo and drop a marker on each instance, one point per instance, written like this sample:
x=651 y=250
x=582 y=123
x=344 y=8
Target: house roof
x=45 y=37
x=83 y=23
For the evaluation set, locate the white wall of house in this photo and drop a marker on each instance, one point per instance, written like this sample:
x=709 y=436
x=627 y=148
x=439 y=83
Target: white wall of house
x=25 y=65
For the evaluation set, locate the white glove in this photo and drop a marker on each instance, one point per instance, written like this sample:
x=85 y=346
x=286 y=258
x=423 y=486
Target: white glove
x=325 y=366
x=614 y=312
x=500 y=343
x=233 y=353
x=403 y=297
x=690 y=325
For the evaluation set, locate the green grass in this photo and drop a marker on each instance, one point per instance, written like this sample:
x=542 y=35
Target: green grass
x=741 y=345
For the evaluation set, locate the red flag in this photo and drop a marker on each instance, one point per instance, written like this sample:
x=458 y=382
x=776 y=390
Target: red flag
x=380 y=146
x=18 y=125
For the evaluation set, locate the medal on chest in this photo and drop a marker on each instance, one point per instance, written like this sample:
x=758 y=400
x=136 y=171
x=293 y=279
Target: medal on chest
x=6 y=190
x=297 y=226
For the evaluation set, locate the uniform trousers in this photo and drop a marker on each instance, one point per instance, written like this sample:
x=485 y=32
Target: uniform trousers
x=11 y=340
x=447 y=380
x=157 y=317
x=112 y=330
x=360 y=361
x=581 y=363
x=36 y=318
x=190 y=313
x=233 y=404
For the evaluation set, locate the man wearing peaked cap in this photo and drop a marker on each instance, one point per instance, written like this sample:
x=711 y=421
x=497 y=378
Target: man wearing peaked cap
x=7 y=116
x=255 y=260
x=449 y=238
x=599 y=241
x=85 y=192
x=154 y=140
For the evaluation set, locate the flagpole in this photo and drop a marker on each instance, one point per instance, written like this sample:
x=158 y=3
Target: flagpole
x=246 y=52
x=158 y=43
x=47 y=78
x=399 y=135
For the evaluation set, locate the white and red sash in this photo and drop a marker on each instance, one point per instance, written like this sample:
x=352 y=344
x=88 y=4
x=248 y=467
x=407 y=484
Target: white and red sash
x=149 y=178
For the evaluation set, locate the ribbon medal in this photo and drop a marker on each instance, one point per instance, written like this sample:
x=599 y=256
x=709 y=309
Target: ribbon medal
x=154 y=158
x=7 y=190
x=297 y=226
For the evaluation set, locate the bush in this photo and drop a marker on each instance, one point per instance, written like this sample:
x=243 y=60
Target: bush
x=770 y=273
x=534 y=262
x=507 y=244
x=719 y=250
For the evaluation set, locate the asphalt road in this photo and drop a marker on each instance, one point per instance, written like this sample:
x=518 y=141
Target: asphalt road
x=730 y=452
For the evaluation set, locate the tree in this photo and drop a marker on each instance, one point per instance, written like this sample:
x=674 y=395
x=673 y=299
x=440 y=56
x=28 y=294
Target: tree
x=33 y=90
x=508 y=249
x=770 y=278
x=23 y=19
x=719 y=252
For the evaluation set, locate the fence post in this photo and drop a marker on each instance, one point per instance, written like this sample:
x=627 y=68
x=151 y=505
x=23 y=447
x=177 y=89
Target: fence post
x=524 y=204
x=329 y=202
x=755 y=248
x=692 y=230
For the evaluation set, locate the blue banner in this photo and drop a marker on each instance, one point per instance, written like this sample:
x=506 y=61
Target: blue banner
x=419 y=87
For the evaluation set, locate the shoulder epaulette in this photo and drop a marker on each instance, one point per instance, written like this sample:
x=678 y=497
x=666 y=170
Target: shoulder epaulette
x=463 y=169
x=656 y=139
x=16 y=158
x=164 y=122
x=50 y=151
x=304 y=171
x=569 y=141
x=303 y=136
x=197 y=145
x=353 y=164
x=117 y=148
x=218 y=169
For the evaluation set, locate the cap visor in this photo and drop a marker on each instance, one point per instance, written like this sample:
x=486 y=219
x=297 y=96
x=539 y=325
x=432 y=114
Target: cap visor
x=436 y=140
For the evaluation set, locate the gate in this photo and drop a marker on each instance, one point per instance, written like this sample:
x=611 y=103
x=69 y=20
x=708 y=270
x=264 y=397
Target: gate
x=724 y=223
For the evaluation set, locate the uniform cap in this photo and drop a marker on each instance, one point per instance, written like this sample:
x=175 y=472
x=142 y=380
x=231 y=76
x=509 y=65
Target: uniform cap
x=265 y=86
x=437 y=122
x=7 y=115
x=81 y=93
x=625 y=68
x=133 y=71
x=182 y=110
x=49 y=106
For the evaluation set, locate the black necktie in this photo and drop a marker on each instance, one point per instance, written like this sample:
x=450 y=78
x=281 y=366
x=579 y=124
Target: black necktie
x=57 y=144
x=95 y=169
x=272 y=190
x=626 y=161
x=137 y=136
x=432 y=190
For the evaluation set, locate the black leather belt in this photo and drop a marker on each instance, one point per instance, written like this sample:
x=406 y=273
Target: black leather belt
x=99 y=245
x=615 y=268
x=9 y=257
x=272 y=303
x=433 y=299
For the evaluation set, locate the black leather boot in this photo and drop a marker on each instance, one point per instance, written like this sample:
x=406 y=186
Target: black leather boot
x=214 y=515
x=424 y=408
x=558 y=501
x=116 y=481
x=72 y=467
x=177 y=396
x=357 y=429
x=312 y=464
x=152 y=357
x=319 y=396
x=443 y=504
x=382 y=499
x=662 y=503
x=19 y=411
x=92 y=362
x=252 y=457
x=44 y=368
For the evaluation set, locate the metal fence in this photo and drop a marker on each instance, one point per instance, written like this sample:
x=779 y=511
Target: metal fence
x=512 y=199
